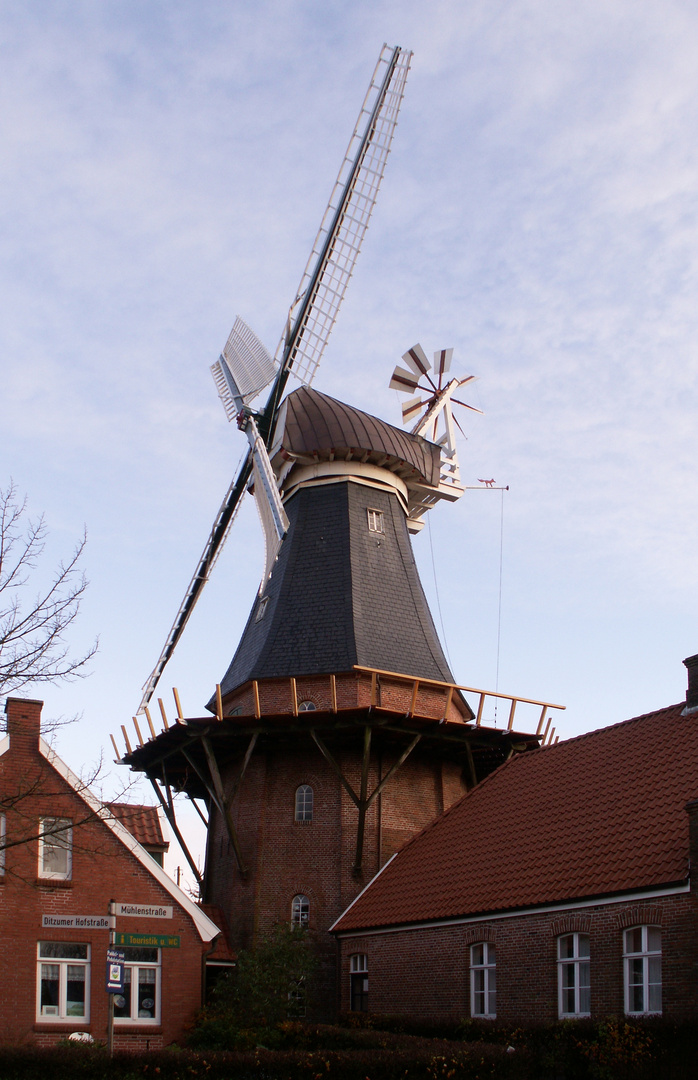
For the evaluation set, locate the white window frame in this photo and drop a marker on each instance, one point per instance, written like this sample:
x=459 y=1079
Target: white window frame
x=307 y=706
x=645 y=956
x=300 y=911
x=579 y=965
x=63 y=963
x=305 y=804
x=358 y=966
x=486 y=973
x=55 y=833
x=376 y=520
x=134 y=967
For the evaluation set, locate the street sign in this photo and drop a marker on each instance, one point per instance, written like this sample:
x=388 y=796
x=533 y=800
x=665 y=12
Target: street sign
x=115 y=971
x=155 y=941
x=78 y=922
x=144 y=911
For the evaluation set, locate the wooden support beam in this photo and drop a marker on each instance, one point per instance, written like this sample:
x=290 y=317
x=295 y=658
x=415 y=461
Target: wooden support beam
x=481 y=705
x=228 y=817
x=374 y=690
x=413 y=702
x=512 y=710
x=547 y=728
x=178 y=704
x=128 y=744
x=219 y=702
x=471 y=763
x=255 y=693
x=333 y=692
x=363 y=800
x=168 y=807
x=163 y=713
x=542 y=719
x=138 y=732
x=248 y=754
x=552 y=735
x=394 y=768
x=294 y=697
x=116 y=749
x=199 y=811
x=150 y=722
x=334 y=766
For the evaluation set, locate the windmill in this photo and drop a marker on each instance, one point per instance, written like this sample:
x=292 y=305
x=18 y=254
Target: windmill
x=245 y=367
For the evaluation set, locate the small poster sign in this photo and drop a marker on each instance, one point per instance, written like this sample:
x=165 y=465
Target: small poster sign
x=115 y=971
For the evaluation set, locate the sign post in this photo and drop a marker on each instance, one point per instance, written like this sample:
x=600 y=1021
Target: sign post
x=115 y=975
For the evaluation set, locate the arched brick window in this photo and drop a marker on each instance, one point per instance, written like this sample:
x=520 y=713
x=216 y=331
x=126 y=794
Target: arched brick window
x=574 y=991
x=304 y=804
x=642 y=970
x=483 y=980
x=300 y=911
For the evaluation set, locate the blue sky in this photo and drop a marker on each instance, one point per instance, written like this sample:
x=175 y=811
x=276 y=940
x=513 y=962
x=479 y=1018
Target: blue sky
x=165 y=167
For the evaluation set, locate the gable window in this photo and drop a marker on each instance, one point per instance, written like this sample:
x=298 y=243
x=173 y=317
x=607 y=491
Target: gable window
x=642 y=963
x=375 y=521
x=55 y=848
x=358 y=982
x=300 y=911
x=306 y=706
x=63 y=977
x=140 y=1001
x=304 y=803
x=483 y=980
x=261 y=609
x=574 y=992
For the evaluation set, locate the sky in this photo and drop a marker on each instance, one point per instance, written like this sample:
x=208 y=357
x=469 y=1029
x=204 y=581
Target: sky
x=165 y=167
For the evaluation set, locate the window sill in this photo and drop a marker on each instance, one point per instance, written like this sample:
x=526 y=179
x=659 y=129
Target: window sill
x=129 y=1027
x=60 y=1024
x=54 y=883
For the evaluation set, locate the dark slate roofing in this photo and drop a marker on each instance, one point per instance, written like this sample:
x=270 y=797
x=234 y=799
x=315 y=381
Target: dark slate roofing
x=319 y=425
x=597 y=815
x=143 y=822
x=340 y=595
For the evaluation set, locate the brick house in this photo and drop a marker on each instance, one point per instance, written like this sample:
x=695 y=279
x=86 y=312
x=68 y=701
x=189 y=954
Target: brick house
x=559 y=887
x=65 y=857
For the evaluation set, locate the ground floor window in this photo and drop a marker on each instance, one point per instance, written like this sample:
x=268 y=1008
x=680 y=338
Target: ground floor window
x=140 y=1001
x=574 y=990
x=358 y=976
x=642 y=962
x=483 y=980
x=63 y=981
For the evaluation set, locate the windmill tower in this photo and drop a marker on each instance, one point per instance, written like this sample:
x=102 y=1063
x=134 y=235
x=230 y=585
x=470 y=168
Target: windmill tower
x=337 y=731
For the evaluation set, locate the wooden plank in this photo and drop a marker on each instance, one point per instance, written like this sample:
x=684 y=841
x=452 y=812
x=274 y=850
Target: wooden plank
x=334 y=766
x=128 y=744
x=116 y=749
x=178 y=703
x=481 y=705
x=294 y=697
x=511 y=714
x=394 y=768
x=163 y=713
x=228 y=817
x=219 y=702
x=248 y=754
x=172 y=819
x=138 y=732
x=363 y=801
x=255 y=692
x=413 y=702
x=547 y=728
x=150 y=722
x=333 y=692
x=456 y=686
x=542 y=719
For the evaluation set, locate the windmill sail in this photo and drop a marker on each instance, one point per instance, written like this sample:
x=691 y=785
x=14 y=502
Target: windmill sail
x=314 y=310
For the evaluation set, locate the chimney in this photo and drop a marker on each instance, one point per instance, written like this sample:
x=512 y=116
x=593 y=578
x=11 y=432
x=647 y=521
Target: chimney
x=23 y=722
x=691 y=663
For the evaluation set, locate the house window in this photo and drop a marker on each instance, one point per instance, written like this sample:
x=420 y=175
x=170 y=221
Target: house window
x=375 y=521
x=483 y=980
x=63 y=977
x=574 y=994
x=300 y=911
x=140 y=1001
x=642 y=961
x=304 y=803
x=358 y=982
x=261 y=609
x=55 y=848
x=306 y=706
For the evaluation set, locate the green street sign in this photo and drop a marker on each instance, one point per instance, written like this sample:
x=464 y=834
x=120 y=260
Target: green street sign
x=155 y=941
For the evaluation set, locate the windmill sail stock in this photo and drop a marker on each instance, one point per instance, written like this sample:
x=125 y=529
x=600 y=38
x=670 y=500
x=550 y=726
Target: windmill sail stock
x=311 y=316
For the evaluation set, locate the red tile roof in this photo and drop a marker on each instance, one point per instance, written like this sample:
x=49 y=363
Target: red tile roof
x=143 y=822
x=600 y=814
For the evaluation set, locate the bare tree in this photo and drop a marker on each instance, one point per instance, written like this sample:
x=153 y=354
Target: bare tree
x=32 y=631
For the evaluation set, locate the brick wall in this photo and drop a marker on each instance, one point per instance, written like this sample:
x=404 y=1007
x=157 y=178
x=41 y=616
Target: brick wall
x=425 y=973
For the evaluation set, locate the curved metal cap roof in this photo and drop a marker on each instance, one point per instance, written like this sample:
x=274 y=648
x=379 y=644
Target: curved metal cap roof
x=320 y=426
